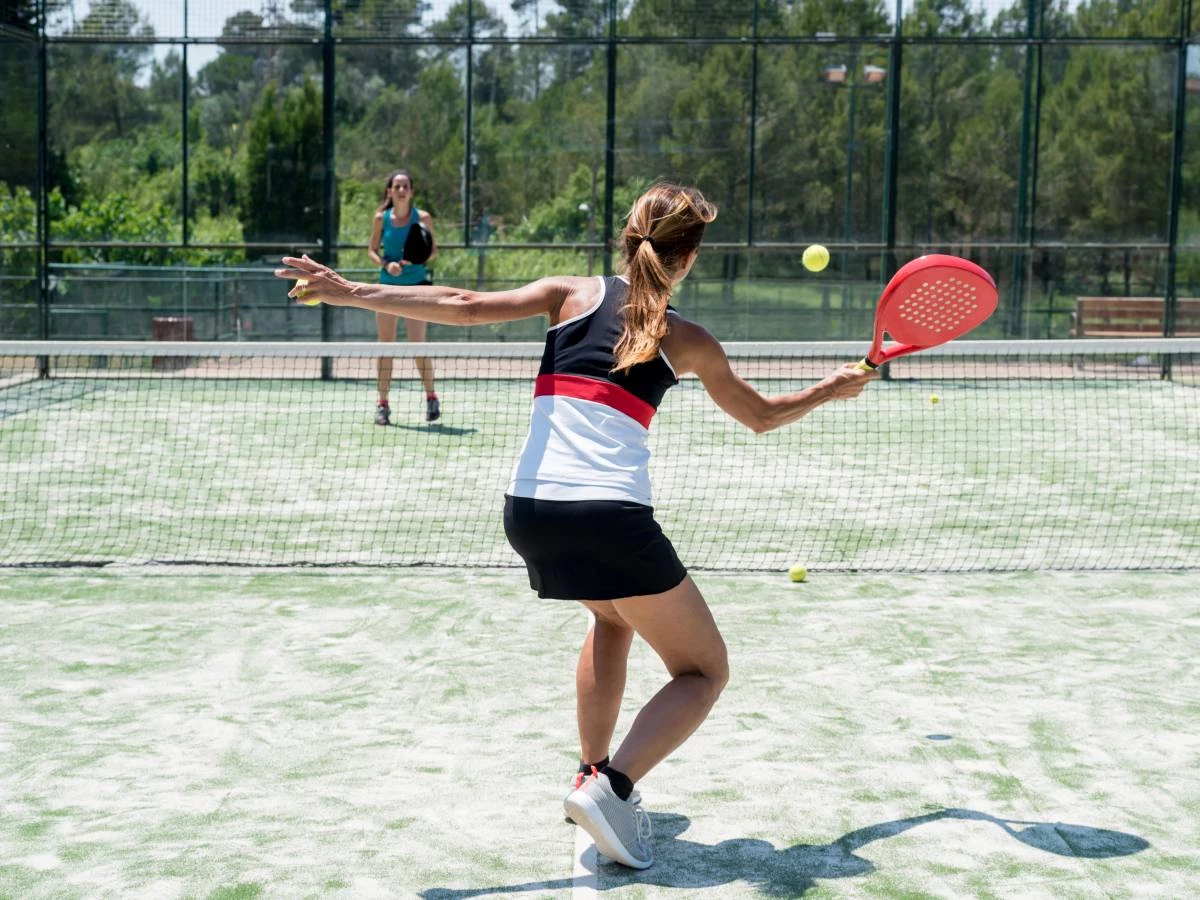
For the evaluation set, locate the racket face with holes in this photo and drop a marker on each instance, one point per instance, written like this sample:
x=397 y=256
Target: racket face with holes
x=929 y=301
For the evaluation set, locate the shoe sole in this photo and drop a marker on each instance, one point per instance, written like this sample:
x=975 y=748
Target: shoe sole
x=583 y=810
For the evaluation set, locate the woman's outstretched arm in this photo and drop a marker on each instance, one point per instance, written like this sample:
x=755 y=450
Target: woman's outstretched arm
x=691 y=349
x=427 y=303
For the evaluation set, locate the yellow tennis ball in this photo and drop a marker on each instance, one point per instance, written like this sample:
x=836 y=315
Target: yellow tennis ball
x=797 y=572
x=935 y=399
x=302 y=283
x=815 y=258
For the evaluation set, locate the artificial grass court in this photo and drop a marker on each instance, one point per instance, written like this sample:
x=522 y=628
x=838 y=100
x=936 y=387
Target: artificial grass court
x=224 y=734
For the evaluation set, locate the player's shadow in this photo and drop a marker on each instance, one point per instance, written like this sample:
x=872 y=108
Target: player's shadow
x=436 y=428
x=793 y=871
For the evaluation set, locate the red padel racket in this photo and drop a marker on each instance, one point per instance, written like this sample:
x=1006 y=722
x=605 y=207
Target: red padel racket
x=929 y=301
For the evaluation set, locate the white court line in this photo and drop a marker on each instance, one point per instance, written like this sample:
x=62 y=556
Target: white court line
x=585 y=880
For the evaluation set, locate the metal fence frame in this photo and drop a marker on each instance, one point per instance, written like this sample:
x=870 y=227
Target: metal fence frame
x=1023 y=241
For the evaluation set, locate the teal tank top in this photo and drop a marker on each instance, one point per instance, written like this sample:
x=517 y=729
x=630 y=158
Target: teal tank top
x=391 y=248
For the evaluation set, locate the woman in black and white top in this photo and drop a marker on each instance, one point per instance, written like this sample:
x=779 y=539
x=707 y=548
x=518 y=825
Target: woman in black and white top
x=578 y=507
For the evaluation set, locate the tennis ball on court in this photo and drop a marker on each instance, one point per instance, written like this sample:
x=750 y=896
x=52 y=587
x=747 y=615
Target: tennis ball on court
x=815 y=258
x=934 y=399
x=797 y=572
x=314 y=302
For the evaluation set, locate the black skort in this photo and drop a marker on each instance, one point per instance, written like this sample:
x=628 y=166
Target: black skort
x=591 y=549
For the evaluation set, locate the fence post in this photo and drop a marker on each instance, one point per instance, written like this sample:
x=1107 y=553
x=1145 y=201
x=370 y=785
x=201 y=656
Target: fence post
x=328 y=230
x=43 y=193
x=610 y=135
x=1170 y=302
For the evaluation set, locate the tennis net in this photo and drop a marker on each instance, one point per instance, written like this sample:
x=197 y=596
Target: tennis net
x=973 y=456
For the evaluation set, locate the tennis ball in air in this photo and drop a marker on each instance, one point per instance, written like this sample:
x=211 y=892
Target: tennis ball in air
x=934 y=399
x=815 y=258
x=797 y=572
x=313 y=302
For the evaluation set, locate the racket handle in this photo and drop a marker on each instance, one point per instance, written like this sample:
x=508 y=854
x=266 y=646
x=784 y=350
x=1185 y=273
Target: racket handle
x=866 y=365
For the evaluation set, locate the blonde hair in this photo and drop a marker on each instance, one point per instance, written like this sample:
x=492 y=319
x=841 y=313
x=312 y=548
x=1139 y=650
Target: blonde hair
x=664 y=226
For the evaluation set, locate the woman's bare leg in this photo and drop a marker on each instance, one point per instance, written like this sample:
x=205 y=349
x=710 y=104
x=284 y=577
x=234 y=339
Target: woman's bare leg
x=416 y=334
x=385 y=327
x=600 y=682
x=680 y=628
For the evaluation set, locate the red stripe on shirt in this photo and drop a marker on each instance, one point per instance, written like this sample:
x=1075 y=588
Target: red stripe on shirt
x=603 y=392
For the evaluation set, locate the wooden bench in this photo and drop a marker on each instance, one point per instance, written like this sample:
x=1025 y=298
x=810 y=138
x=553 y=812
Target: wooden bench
x=1132 y=317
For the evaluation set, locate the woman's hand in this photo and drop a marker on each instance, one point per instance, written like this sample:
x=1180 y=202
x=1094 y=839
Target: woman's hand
x=848 y=381
x=394 y=268
x=316 y=282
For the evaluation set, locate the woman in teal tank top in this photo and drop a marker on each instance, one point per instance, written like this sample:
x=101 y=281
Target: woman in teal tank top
x=395 y=216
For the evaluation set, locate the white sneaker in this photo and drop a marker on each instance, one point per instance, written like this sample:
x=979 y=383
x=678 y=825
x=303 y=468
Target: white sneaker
x=620 y=828
x=577 y=781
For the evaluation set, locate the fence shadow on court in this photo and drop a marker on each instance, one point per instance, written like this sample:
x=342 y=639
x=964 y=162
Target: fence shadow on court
x=793 y=871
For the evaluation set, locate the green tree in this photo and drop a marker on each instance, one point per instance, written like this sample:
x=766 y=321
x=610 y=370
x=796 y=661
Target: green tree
x=419 y=128
x=18 y=289
x=94 y=92
x=19 y=111
x=571 y=19
x=944 y=159
x=111 y=218
x=20 y=14
x=710 y=134
x=1106 y=137
x=377 y=18
x=283 y=173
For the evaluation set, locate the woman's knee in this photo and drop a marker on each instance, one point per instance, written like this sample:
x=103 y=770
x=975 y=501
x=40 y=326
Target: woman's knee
x=385 y=326
x=414 y=330
x=713 y=671
x=717 y=672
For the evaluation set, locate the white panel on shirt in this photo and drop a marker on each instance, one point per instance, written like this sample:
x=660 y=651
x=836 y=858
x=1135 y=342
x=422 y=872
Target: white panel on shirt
x=582 y=450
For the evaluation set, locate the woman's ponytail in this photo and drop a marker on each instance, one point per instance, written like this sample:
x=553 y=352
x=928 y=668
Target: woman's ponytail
x=665 y=226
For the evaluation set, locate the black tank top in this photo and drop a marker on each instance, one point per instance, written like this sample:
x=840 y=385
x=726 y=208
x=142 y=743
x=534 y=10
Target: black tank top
x=589 y=427
x=584 y=346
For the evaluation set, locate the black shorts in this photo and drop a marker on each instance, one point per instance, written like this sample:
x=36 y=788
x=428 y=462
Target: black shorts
x=591 y=549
